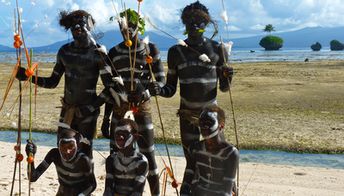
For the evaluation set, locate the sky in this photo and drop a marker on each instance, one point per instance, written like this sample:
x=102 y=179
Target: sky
x=246 y=17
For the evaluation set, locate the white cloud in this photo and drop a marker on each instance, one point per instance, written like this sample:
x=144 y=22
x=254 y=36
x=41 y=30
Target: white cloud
x=247 y=17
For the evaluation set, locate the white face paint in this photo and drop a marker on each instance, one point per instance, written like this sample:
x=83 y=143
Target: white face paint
x=67 y=149
x=209 y=123
x=129 y=140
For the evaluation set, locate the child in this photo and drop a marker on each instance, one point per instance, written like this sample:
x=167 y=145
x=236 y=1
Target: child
x=74 y=168
x=214 y=161
x=126 y=169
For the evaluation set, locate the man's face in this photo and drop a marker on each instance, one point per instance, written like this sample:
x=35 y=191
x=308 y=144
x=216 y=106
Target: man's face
x=195 y=28
x=68 y=149
x=80 y=30
x=131 y=30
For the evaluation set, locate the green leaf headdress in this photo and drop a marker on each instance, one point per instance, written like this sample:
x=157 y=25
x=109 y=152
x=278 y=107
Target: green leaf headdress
x=131 y=17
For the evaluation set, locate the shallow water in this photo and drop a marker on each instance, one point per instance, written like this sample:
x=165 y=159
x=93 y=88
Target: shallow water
x=258 y=156
x=237 y=55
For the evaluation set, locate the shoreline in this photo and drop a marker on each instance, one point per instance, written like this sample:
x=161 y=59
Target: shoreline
x=160 y=140
x=255 y=178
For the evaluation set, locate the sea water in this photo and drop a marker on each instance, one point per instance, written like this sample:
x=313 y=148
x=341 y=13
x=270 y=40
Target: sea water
x=237 y=55
x=256 y=156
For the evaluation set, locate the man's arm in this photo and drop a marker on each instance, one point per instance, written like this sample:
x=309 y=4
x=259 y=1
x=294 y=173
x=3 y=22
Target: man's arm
x=157 y=66
x=46 y=82
x=172 y=75
x=230 y=169
x=43 y=166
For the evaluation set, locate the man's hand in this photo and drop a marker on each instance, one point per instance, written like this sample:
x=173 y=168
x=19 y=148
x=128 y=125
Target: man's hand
x=21 y=74
x=30 y=148
x=154 y=88
x=227 y=72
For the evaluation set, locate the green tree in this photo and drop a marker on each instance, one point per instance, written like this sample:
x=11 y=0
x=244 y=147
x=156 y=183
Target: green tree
x=269 y=28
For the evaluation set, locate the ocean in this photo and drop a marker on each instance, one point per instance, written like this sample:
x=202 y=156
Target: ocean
x=237 y=55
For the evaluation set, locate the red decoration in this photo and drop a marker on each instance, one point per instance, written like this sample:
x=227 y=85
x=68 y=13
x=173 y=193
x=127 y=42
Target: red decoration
x=19 y=157
x=17 y=41
x=30 y=159
x=29 y=72
x=149 y=59
x=175 y=184
x=16 y=37
x=135 y=109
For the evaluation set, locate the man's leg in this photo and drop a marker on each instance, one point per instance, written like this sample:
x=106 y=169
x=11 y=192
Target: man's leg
x=146 y=145
x=189 y=135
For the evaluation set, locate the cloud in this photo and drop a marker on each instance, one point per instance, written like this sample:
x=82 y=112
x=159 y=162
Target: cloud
x=245 y=17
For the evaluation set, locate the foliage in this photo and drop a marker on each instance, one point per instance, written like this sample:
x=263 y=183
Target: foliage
x=316 y=47
x=336 y=45
x=132 y=17
x=271 y=42
x=269 y=28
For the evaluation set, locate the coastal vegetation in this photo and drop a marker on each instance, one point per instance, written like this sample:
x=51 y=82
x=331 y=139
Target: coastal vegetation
x=336 y=45
x=292 y=106
x=270 y=42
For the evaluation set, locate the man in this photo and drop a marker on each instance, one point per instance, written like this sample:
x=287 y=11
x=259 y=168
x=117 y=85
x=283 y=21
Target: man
x=82 y=61
x=213 y=161
x=198 y=76
x=126 y=169
x=135 y=79
x=74 y=168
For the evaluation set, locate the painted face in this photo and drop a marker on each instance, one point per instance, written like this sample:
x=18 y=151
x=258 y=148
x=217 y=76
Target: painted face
x=195 y=28
x=67 y=149
x=81 y=27
x=209 y=124
x=128 y=29
x=123 y=137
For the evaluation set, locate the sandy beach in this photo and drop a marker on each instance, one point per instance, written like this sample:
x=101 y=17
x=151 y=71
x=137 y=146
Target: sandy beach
x=255 y=179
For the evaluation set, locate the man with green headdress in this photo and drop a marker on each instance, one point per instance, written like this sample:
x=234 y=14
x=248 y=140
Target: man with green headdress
x=131 y=61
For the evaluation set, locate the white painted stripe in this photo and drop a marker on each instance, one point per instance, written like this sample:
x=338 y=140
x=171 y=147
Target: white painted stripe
x=126 y=176
x=192 y=104
x=209 y=181
x=140 y=178
x=195 y=64
x=229 y=179
x=145 y=127
x=103 y=71
x=189 y=171
x=109 y=176
x=197 y=80
x=159 y=74
x=153 y=172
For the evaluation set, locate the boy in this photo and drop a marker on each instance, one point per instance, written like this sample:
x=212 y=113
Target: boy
x=74 y=168
x=213 y=160
x=126 y=169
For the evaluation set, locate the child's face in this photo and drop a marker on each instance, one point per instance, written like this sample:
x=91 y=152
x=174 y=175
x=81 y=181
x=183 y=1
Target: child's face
x=68 y=149
x=123 y=137
x=208 y=124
